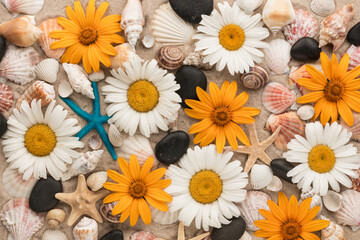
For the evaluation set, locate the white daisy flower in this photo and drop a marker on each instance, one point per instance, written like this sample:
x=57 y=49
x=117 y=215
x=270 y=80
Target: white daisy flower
x=144 y=96
x=205 y=187
x=231 y=38
x=36 y=143
x=324 y=158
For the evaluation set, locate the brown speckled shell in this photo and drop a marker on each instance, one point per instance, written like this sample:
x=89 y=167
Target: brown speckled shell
x=142 y=236
x=256 y=78
x=105 y=211
x=6 y=98
x=170 y=58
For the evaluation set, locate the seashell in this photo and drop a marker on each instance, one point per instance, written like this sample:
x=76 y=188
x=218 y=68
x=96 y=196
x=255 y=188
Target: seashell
x=39 y=90
x=332 y=201
x=97 y=76
x=256 y=78
x=306 y=112
x=15 y=185
x=260 y=176
x=275 y=185
x=132 y=21
x=54 y=235
x=277 y=56
x=65 y=89
x=304 y=25
x=106 y=212
x=300 y=72
x=124 y=54
x=20 y=221
x=356 y=181
x=86 y=229
x=349 y=212
x=141 y=147
x=21 y=31
x=47 y=70
x=354 y=54
x=142 y=235
x=196 y=59
x=115 y=136
x=45 y=40
x=30 y=7
x=55 y=217
x=96 y=180
x=332 y=232
x=246 y=236
x=167 y=27
x=95 y=142
x=6 y=98
x=316 y=200
x=18 y=64
x=249 y=6
x=84 y=164
x=355 y=128
x=249 y=208
x=169 y=57
x=78 y=79
x=276 y=98
x=322 y=8
x=335 y=27
x=148 y=40
x=278 y=13
x=164 y=218
x=291 y=125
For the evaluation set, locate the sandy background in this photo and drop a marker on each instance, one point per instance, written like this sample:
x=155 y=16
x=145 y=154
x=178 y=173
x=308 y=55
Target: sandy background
x=54 y=8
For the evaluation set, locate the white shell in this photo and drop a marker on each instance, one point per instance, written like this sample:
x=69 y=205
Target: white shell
x=332 y=201
x=148 y=40
x=55 y=216
x=97 y=76
x=332 y=232
x=78 y=79
x=275 y=185
x=349 y=212
x=54 y=235
x=249 y=6
x=65 y=89
x=260 y=176
x=47 y=70
x=316 y=200
x=132 y=21
x=95 y=142
x=277 y=13
x=31 y=7
x=96 y=180
x=322 y=8
x=196 y=59
x=124 y=54
x=306 y=112
x=164 y=218
x=246 y=236
x=15 y=185
x=86 y=229
x=115 y=136
x=277 y=56
x=169 y=28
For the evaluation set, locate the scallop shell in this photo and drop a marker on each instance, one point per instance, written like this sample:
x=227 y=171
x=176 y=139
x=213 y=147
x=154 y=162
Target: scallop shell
x=275 y=185
x=349 y=212
x=97 y=76
x=167 y=27
x=39 y=90
x=291 y=125
x=300 y=72
x=276 y=98
x=355 y=128
x=18 y=64
x=55 y=217
x=115 y=136
x=335 y=27
x=304 y=25
x=278 y=13
x=141 y=147
x=260 y=176
x=169 y=57
x=78 y=79
x=6 y=98
x=45 y=40
x=148 y=40
x=356 y=181
x=164 y=218
x=54 y=235
x=322 y=8
x=315 y=201
x=332 y=232
x=14 y=184
x=354 y=54
x=249 y=6
x=47 y=70
x=249 y=208
x=306 y=112
x=31 y=7
x=196 y=59
x=277 y=56
x=96 y=180
x=332 y=201
x=124 y=54
x=95 y=142
x=65 y=89
x=106 y=212
x=142 y=235
x=256 y=78
x=20 y=221
x=86 y=229
x=132 y=21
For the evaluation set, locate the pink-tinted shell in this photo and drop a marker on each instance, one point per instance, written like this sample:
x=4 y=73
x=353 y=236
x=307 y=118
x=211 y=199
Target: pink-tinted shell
x=142 y=236
x=276 y=97
x=354 y=54
x=106 y=210
x=45 y=40
x=355 y=128
x=349 y=212
x=356 y=182
x=6 y=97
x=304 y=25
x=39 y=90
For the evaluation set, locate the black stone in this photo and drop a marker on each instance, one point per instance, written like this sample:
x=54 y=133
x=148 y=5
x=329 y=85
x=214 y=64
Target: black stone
x=232 y=231
x=113 y=235
x=189 y=77
x=2 y=47
x=42 y=196
x=305 y=49
x=3 y=125
x=281 y=167
x=191 y=10
x=353 y=35
x=172 y=147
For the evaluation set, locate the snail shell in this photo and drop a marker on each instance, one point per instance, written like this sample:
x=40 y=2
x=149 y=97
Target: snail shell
x=54 y=217
x=106 y=210
x=256 y=78
x=170 y=57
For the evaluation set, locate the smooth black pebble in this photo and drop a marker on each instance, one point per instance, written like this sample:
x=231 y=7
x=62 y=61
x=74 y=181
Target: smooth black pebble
x=354 y=35
x=189 y=77
x=42 y=197
x=3 y=125
x=191 y=10
x=306 y=49
x=232 y=231
x=281 y=167
x=2 y=47
x=172 y=147
x=113 y=235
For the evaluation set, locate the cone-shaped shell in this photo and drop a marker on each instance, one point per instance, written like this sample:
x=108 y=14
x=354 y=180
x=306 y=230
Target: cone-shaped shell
x=132 y=21
x=278 y=13
x=78 y=79
x=45 y=40
x=276 y=97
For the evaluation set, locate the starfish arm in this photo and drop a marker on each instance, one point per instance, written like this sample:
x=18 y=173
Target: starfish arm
x=105 y=138
x=96 y=110
x=181 y=232
x=65 y=197
x=81 y=184
x=267 y=142
x=77 y=109
x=265 y=158
x=253 y=135
x=202 y=236
x=104 y=119
x=240 y=149
x=85 y=130
x=93 y=213
x=250 y=163
x=74 y=215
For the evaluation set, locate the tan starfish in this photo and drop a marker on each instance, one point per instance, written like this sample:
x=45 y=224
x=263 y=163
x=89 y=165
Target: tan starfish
x=257 y=149
x=82 y=201
x=181 y=234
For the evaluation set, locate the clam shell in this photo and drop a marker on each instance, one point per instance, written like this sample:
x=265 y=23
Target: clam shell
x=124 y=54
x=306 y=112
x=349 y=212
x=148 y=40
x=332 y=201
x=86 y=229
x=115 y=136
x=277 y=56
x=96 y=180
x=106 y=210
x=354 y=54
x=164 y=218
x=14 y=184
x=260 y=176
x=47 y=70
x=256 y=78
x=142 y=235
x=276 y=97
x=332 y=232
x=54 y=235
x=30 y=7
x=275 y=185
x=97 y=76
x=65 y=89
x=170 y=57
x=132 y=21
x=39 y=90
x=78 y=79
x=45 y=40
x=316 y=200
x=55 y=217
x=355 y=128
x=6 y=98
x=322 y=8
x=249 y=6
x=277 y=13
x=95 y=142
x=196 y=59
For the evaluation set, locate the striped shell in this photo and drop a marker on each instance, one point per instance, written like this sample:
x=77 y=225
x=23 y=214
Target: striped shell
x=356 y=182
x=31 y=7
x=15 y=185
x=6 y=98
x=54 y=235
x=256 y=78
x=354 y=54
x=45 y=40
x=39 y=90
x=277 y=56
x=106 y=210
x=349 y=212
x=276 y=98
x=170 y=57
x=142 y=235
x=322 y=8
x=164 y=218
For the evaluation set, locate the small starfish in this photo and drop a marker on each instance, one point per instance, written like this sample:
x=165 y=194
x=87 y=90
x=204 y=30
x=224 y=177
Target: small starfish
x=181 y=234
x=257 y=149
x=95 y=120
x=82 y=201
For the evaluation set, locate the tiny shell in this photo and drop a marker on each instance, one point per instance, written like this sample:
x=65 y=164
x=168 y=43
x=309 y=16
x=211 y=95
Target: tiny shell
x=355 y=128
x=148 y=40
x=170 y=57
x=260 y=176
x=322 y=8
x=315 y=201
x=356 y=182
x=96 y=180
x=39 y=90
x=6 y=98
x=256 y=78
x=142 y=236
x=164 y=218
x=95 y=142
x=354 y=54
x=332 y=232
x=277 y=13
x=124 y=54
x=54 y=235
x=65 y=89
x=106 y=212
x=47 y=70
x=306 y=112
x=332 y=201
x=115 y=137
x=15 y=185
x=45 y=40
x=196 y=59
x=30 y=7
x=249 y=6
x=97 y=76
x=86 y=229
x=78 y=79
x=276 y=97
x=277 y=56
x=275 y=185
x=349 y=212
x=55 y=217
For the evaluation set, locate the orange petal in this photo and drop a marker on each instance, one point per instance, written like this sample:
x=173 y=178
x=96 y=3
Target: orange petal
x=204 y=97
x=100 y=12
x=215 y=94
x=316 y=75
x=315 y=225
x=154 y=176
x=354 y=73
x=200 y=126
x=117 y=177
x=231 y=136
x=144 y=210
x=309 y=236
x=310 y=84
x=80 y=14
x=134 y=214
x=343 y=66
x=134 y=167
x=124 y=166
x=197 y=114
x=90 y=13
x=162 y=206
x=345 y=112
x=310 y=97
x=159 y=195
x=239 y=101
x=352 y=99
x=325 y=65
x=220 y=139
x=146 y=167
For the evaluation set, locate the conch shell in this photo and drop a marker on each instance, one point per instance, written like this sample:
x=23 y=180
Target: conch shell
x=78 y=80
x=278 y=13
x=132 y=21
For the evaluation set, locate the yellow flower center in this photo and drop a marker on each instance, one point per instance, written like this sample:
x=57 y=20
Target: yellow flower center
x=143 y=96
x=88 y=36
x=40 y=140
x=321 y=159
x=137 y=189
x=221 y=116
x=232 y=37
x=290 y=230
x=334 y=91
x=205 y=186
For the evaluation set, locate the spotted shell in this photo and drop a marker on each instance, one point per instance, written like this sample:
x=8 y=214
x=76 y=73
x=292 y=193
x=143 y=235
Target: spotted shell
x=6 y=98
x=39 y=90
x=105 y=211
x=354 y=54
x=45 y=40
x=142 y=235
x=256 y=78
x=276 y=97
x=170 y=57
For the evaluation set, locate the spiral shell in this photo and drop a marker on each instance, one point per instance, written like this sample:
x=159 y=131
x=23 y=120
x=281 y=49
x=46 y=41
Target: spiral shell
x=256 y=78
x=39 y=90
x=132 y=21
x=332 y=232
x=55 y=216
x=96 y=180
x=6 y=98
x=106 y=212
x=78 y=79
x=54 y=235
x=170 y=57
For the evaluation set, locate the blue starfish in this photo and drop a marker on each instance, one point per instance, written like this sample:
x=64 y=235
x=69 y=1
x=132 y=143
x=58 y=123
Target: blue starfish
x=95 y=120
